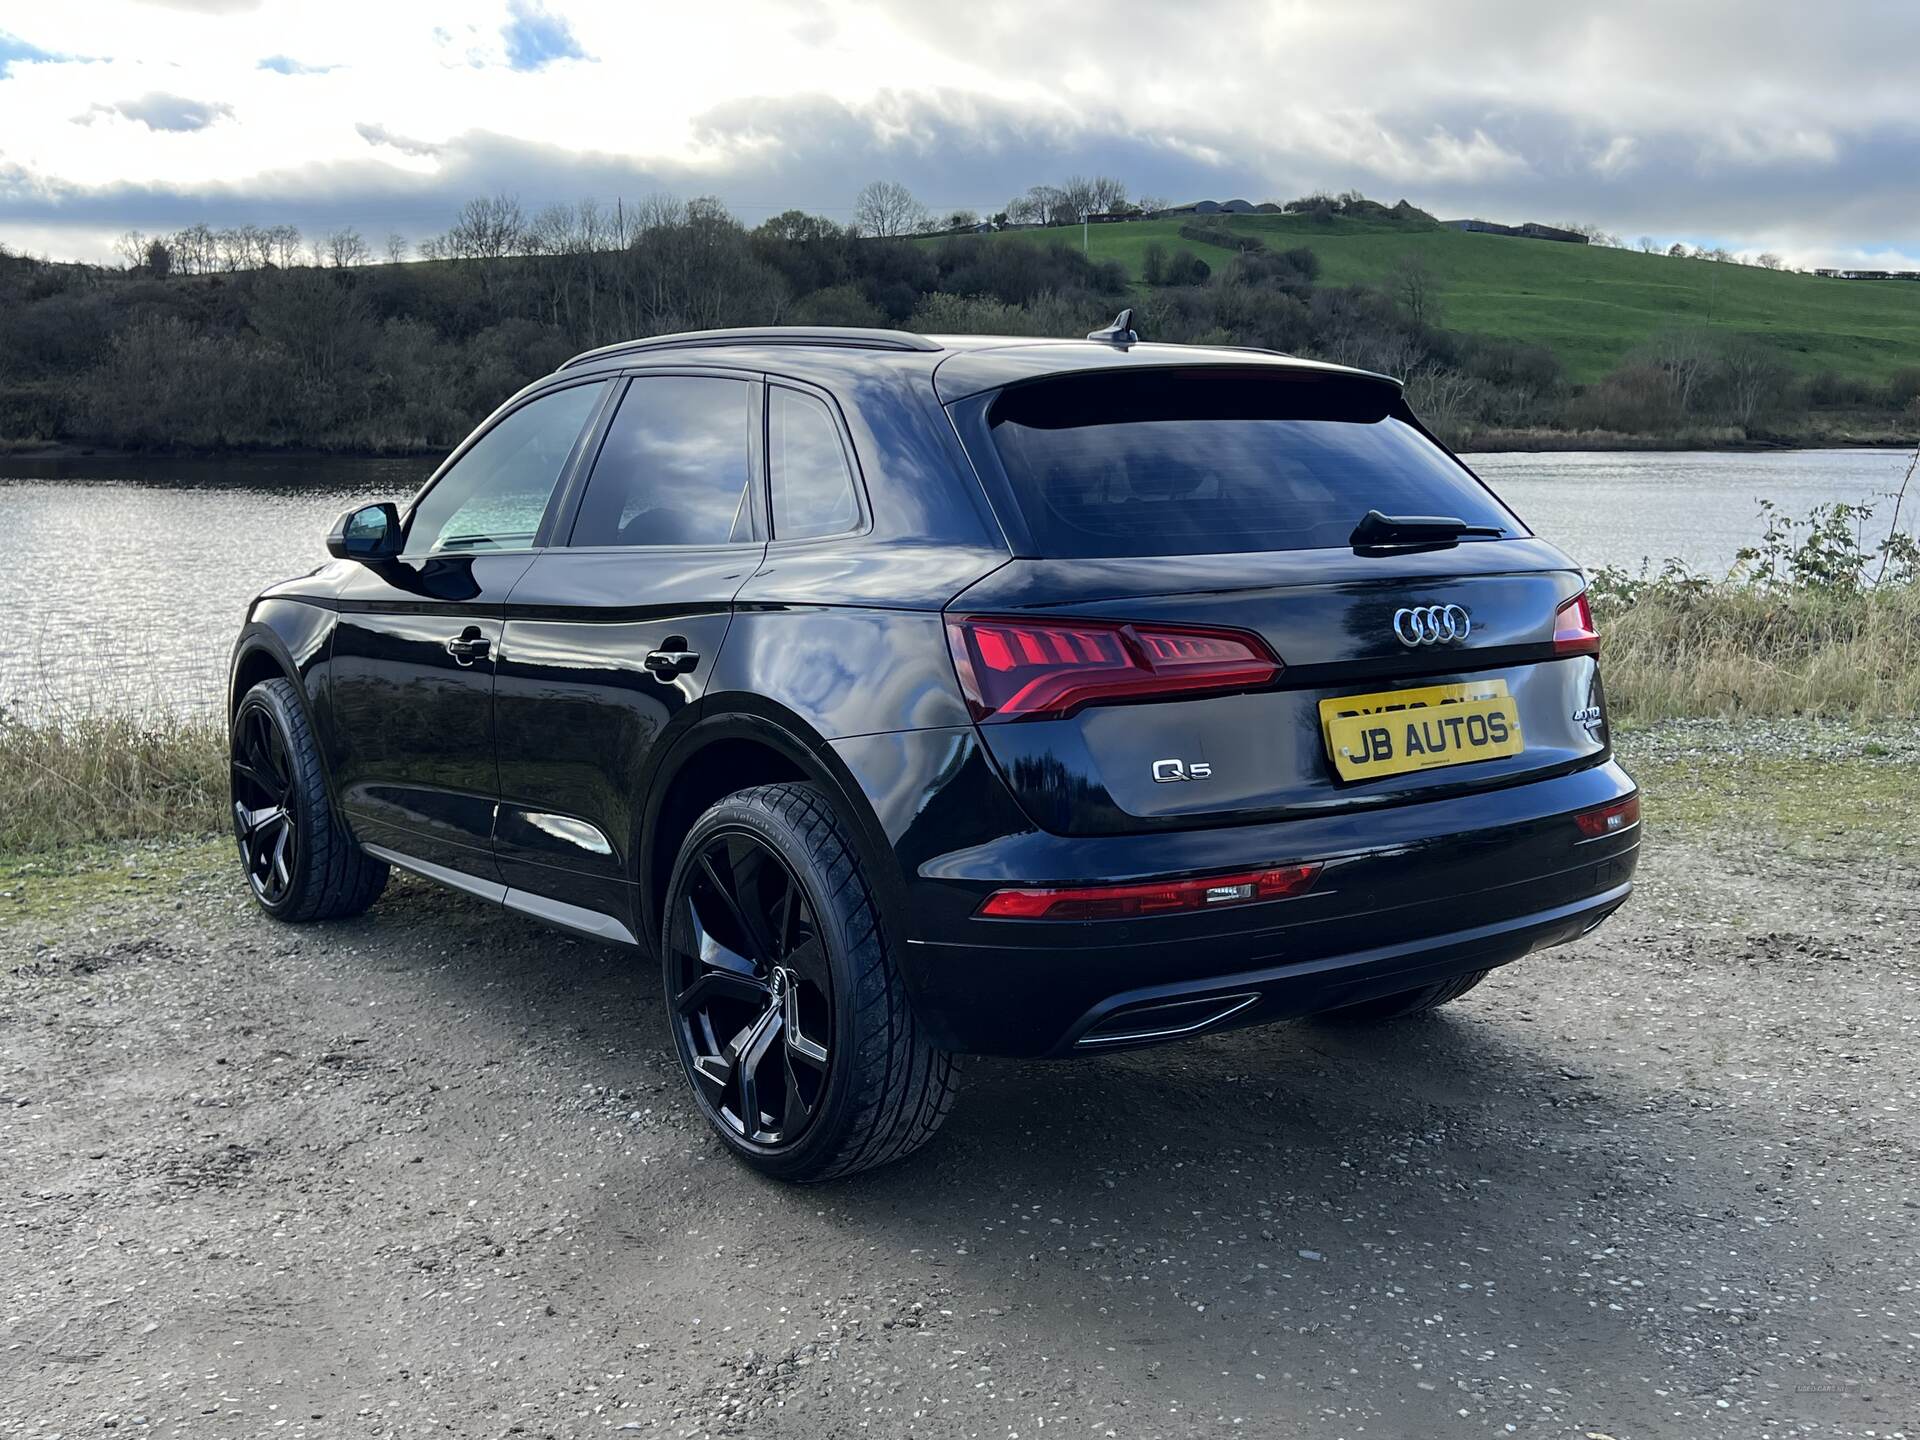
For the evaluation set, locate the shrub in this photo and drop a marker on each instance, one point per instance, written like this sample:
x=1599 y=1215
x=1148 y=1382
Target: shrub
x=108 y=776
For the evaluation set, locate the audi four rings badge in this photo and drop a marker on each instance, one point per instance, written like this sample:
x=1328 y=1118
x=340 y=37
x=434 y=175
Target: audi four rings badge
x=1432 y=625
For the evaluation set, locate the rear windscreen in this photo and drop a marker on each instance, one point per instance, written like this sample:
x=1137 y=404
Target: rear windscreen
x=1205 y=462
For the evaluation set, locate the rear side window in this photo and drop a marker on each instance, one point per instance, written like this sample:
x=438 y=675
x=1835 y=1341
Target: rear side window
x=812 y=486
x=1202 y=462
x=674 y=467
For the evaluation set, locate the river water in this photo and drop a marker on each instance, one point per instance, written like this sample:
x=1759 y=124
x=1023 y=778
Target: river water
x=124 y=581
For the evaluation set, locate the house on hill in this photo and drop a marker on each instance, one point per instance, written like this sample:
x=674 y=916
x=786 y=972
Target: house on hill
x=1531 y=230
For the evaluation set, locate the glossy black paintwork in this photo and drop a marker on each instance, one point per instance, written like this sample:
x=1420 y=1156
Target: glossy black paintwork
x=578 y=714
x=543 y=776
x=411 y=735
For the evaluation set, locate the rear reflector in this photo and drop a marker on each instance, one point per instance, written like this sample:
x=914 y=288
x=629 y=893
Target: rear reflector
x=1160 y=897
x=1573 y=632
x=1610 y=819
x=1045 y=669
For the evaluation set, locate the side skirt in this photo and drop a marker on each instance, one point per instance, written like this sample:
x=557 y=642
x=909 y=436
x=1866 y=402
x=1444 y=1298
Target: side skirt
x=577 y=918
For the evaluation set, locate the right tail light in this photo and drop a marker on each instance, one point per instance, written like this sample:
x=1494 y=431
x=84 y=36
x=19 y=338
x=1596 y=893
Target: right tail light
x=1573 y=632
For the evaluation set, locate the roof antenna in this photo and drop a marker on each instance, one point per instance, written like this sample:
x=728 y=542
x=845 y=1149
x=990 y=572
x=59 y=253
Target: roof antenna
x=1120 y=333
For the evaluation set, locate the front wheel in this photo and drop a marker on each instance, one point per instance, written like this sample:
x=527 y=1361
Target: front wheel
x=299 y=860
x=788 y=1011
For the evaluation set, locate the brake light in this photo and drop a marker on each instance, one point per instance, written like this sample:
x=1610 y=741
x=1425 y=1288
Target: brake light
x=1610 y=819
x=1160 y=897
x=1046 y=669
x=1573 y=632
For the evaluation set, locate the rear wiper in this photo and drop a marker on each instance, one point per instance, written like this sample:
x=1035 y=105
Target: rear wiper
x=1377 y=529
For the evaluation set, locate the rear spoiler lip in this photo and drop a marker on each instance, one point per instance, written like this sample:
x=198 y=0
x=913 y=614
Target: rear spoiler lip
x=966 y=373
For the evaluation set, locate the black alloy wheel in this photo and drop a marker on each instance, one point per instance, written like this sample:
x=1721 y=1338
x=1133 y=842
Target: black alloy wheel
x=752 y=991
x=300 y=861
x=265 y=805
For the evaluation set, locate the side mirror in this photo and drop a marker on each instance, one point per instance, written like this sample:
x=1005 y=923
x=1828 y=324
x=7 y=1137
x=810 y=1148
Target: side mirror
x=370 y=533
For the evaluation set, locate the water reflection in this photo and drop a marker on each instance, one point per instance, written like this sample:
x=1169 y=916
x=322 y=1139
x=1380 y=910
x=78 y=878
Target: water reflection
x=124 y=581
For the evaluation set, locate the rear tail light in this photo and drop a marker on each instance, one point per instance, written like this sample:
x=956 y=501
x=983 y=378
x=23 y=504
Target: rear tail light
x=1046 y=669
x=1159 y=897
x=1610 y=819
x=1573 y=632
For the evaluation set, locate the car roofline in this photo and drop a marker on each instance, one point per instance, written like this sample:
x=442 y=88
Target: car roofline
x=842 y=337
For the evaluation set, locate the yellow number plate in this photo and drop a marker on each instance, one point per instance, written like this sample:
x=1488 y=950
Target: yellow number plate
x=1396 y=731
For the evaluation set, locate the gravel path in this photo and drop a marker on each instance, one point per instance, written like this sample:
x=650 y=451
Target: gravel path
x=434 y=1172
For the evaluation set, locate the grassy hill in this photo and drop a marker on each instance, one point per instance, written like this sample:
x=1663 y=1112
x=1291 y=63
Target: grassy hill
x=1590 y=304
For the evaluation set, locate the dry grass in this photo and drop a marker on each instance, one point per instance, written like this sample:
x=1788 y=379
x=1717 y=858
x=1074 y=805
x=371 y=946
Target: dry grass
x=1731 y=650
x=108 y=776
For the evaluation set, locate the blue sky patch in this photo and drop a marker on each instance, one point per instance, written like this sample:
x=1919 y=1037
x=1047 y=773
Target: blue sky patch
x=13 y=48
x=287 y=65
x=536 y=37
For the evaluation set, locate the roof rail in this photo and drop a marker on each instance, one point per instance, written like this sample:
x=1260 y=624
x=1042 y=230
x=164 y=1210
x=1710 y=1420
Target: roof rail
x=844 y=336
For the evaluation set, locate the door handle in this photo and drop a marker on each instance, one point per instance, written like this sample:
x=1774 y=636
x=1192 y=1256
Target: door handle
x=468 y=646
x=672 y=659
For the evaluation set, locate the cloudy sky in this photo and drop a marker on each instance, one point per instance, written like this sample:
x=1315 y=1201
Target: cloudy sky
x=1767 y=124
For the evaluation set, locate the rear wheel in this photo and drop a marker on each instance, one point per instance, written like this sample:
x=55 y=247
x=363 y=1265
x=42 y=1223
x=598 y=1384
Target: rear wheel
x=787 y=1009
x=299 y=860
x=1407 y=1002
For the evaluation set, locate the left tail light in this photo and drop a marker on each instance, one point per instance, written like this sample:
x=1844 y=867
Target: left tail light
x=1573 y=632
x=1159 y=897
x=1046 y=669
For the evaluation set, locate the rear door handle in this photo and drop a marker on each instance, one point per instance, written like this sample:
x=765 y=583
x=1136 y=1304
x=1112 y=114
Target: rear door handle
x=672 y=660
x=468 y=646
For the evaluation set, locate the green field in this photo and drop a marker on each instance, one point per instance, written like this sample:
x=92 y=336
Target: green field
x=1590 y=304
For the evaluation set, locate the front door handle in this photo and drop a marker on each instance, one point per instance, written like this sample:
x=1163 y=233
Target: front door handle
x=468 y=646
x=672 y=659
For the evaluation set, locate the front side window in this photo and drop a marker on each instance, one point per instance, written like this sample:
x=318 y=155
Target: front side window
x=495 y=494
x=675 y=466
x=812 y=486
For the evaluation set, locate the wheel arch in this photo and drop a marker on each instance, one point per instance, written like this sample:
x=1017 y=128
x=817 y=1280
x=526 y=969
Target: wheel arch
x=753 y=742
x=263 y=653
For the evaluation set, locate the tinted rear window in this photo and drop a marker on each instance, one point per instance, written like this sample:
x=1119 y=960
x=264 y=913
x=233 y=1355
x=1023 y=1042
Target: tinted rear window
x=1203 y=462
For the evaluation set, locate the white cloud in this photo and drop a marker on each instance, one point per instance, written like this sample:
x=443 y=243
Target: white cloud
x=1757 y=123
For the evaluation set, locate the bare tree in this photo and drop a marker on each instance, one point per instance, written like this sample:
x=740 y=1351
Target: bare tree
x=1767 y=260
x=487 y=228
x=1442 y=395
x=1417 y=289
x=1648 y=245
x=285 y=240
x=396 y=248
x=887 y=208
x=233 y=249
x=131 y=247
x=1677 y=250
x=1755 y=377
x=345 y=247
x=1683 y=359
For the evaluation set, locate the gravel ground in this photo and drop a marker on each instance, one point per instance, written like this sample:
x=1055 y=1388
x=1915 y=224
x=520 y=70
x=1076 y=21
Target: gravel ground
x=434 y=1171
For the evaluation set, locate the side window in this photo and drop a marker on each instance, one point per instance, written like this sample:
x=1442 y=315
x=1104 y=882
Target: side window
x=675 y=466
x=812 y=486
x=495 y=494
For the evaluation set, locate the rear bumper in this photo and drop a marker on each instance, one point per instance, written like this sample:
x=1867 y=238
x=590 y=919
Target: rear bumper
x=1408 y=896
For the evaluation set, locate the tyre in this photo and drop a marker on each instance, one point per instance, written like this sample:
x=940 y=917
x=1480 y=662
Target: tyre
x=300 y=862
x=1407 y=1002
x=786 y=1006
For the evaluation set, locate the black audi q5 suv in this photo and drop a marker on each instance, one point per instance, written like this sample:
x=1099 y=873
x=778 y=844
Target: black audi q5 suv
x=908 y=696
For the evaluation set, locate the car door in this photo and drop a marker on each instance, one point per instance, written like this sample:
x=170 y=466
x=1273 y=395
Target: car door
x=411 y=674
x=610 y=636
